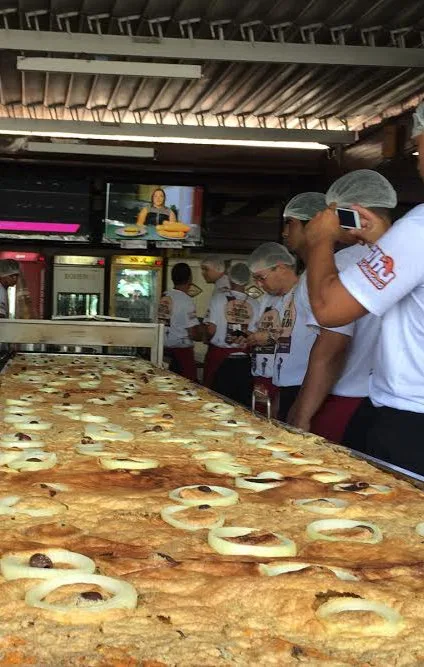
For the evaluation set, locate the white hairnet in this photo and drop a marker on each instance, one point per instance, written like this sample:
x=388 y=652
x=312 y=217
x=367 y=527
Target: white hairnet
x=269 y=255
x=418 y=119
x=305 y=206
x=365 y=187
x=9 y=267
x=239 y=273
x=215 y=262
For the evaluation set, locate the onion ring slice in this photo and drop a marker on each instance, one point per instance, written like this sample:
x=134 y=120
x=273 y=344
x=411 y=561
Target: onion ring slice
x=8 y=507
x=313 y=530
x=16 y=565
x=419 y=529
x=391 y=624
x=217 y=541
x=333 y=505
x=108 y=432
x=226 y=496
x=209 y=433
x=130 y=463
x=274 y=570
x=46 y=461
x=328 y=475
x=367 y=490
x=218 y=408
x=213 y=455
x=36 y=426
x=124 y=597
x=167 y=514
x=230 y=468
x=93 y=419
x=296 y=460
x=260 y=483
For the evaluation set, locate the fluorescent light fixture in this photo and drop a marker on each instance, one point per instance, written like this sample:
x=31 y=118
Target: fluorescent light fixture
x=300 y=145
x=177 y=134
x=114 y=67
x=52 y=227
x=86 y=149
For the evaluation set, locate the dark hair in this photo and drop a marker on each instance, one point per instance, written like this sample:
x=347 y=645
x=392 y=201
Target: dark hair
x=385 y=213
x=158 y=190
x=181 y=274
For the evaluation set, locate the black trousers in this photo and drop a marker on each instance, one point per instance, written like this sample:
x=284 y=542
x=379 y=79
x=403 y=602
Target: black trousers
x=234 y=379
x=392 y=435
x=288 y=396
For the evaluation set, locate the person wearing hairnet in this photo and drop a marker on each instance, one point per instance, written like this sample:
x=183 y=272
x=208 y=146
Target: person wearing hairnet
x=213 y=272
x=177 y=311
x=9 y=274
x=341 y=359
x=389 y=282
x=273 y=269
x=227 y=323
x=297 y=213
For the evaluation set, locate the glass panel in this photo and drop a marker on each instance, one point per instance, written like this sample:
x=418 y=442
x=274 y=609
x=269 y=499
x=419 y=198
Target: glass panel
x=78 y=304
x=136 y=294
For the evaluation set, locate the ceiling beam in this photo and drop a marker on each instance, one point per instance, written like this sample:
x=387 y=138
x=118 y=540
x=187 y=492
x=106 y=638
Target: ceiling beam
x=209 y=49
x=172 y=133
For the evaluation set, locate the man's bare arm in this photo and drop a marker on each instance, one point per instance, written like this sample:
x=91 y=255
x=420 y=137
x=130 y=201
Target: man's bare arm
x=331 y=303
x=326 y=362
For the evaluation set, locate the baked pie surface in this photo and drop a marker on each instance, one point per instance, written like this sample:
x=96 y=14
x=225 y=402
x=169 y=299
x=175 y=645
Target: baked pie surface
x=196 y=605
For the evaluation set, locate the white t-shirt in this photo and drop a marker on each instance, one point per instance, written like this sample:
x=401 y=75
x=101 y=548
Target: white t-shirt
x=354 y=380
x=269 y=320
x=295 y=340
x=221 y=285
x=389 y=282
x=233 y=314
x=177 y=312
x=4 y=302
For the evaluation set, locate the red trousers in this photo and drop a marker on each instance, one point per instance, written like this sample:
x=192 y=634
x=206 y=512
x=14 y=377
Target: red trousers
x=333 y=416
x=182 y=362
x=213 y=359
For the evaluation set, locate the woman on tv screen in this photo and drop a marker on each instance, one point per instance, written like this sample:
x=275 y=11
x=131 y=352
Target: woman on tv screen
x=157 y=212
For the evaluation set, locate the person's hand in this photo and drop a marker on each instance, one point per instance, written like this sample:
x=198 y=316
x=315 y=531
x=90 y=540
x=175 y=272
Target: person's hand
x=325 y=226
x=302 y=424
x=240 y=341
x=294 y=418
x=372 y=226
x=257 y=338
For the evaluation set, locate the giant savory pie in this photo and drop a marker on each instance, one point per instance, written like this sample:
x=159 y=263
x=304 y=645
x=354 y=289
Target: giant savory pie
x=146 y=523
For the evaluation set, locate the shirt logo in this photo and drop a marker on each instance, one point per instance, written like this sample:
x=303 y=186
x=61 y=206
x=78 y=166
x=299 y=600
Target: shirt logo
x=378 y=268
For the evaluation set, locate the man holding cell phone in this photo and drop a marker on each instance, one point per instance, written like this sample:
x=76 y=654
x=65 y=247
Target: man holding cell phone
x=341 y=359
x=389 y=282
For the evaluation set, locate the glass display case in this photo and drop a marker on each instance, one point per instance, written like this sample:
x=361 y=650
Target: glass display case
x=78 y=285
x=136 y=284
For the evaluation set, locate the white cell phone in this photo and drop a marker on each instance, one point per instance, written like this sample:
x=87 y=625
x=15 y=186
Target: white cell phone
x=348 y=218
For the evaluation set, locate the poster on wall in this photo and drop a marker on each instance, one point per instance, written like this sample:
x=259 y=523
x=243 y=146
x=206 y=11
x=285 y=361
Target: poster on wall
x=167 y=215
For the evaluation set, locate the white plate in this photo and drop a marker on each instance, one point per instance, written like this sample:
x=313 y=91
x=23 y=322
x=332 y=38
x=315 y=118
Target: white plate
x=130 y=235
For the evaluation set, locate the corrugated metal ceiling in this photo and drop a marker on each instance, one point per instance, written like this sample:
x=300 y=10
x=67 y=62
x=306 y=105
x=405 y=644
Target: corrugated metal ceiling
x=233 y=94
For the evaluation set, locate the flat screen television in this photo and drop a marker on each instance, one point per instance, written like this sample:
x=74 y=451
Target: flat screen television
x=39 y=207
x=154 y=213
